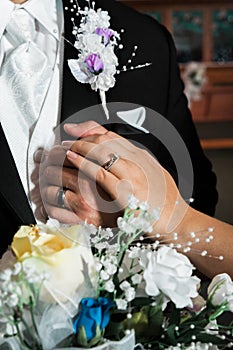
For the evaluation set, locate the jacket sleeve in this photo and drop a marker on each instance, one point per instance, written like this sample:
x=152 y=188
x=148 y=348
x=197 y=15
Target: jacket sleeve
x=204 y=190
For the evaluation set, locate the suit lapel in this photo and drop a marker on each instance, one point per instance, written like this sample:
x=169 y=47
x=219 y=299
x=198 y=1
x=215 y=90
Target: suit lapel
x=10 y=184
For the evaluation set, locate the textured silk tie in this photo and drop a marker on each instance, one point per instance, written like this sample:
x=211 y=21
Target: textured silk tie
x=25 y=69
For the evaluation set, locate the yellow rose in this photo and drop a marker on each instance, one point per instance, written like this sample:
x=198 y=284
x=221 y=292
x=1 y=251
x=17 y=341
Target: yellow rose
x=62 y=252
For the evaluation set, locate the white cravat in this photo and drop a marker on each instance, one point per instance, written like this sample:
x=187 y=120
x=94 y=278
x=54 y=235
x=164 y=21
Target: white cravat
x=23 y=142
x=26 y=69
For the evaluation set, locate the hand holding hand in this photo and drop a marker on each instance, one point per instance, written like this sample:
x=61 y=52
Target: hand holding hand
x=82 y=199
x=135 y=172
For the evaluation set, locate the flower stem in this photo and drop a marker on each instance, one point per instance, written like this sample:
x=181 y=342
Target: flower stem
x=36 y=344
x=20 y=336
x=33 y=317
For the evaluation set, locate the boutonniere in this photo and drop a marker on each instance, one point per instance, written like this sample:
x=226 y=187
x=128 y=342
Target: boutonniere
x=96 y=42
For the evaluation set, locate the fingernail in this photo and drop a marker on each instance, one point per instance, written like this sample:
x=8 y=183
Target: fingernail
x=67 y=143
x=71 y=155
x=39 y=155
x=70 y=125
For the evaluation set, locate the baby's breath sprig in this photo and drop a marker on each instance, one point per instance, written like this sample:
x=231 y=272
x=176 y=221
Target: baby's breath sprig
x=19 y=291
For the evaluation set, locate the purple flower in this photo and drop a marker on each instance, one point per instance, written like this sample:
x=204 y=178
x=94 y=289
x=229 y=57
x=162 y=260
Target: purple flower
x=94 y=63
x=105 y=33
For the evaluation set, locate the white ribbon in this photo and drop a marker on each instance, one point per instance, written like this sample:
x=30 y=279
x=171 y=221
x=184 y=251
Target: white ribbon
x=103 y=102
x=10 y=344
x=127 y=343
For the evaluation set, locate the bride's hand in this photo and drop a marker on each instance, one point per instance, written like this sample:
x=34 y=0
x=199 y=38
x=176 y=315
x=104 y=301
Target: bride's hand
x=134 y=172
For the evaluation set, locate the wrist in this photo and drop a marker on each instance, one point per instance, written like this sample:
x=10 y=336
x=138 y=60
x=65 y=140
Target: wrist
x=174 y=218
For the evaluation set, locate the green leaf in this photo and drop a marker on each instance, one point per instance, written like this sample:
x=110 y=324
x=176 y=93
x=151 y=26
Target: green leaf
x=155 y=319
x=139 y=302
x=210 y=338
x=146 y=322
x=174 y=315
x=139 y=322
x=171 y=334
x=115 y=330
x=97 y=338
x=82 y=337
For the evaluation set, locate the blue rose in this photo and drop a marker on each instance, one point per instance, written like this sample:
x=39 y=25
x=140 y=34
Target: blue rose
x=93 y=313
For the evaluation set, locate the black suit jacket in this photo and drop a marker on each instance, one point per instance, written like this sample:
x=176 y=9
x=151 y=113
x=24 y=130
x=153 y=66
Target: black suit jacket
x=158 y=87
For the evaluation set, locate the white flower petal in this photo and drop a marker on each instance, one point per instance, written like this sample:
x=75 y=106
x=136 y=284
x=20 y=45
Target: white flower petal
x=109 y=286
x=169 y=272
x=125 y=285
x=121 y=304
x=78 y=72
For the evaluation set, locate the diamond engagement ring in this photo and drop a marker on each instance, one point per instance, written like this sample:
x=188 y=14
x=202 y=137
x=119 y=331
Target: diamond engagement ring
x=107 y=166
x=61 y=197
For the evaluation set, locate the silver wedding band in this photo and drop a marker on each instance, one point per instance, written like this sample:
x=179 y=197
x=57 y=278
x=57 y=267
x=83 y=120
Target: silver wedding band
x=61 y=197
x=107 y=166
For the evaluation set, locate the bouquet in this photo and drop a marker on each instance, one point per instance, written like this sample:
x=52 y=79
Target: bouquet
x=77 y=287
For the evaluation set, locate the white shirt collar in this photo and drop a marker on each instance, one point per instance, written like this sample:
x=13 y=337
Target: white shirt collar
x=42 y=10
x=5 y=14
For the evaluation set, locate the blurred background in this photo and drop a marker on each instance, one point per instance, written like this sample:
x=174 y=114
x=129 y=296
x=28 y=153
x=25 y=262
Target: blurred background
x=203 y=35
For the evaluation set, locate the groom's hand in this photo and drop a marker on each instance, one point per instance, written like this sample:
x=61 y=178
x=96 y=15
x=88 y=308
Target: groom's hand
x=83 y=198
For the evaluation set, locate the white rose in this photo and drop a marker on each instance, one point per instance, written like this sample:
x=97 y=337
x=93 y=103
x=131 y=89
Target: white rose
x=169 y=272
x=220 y=290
